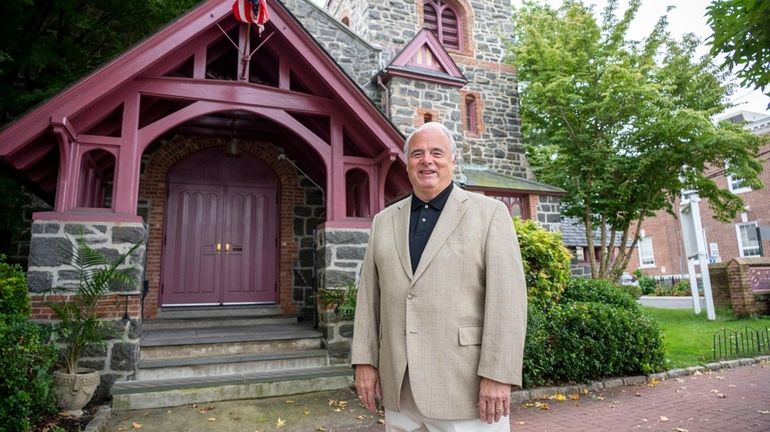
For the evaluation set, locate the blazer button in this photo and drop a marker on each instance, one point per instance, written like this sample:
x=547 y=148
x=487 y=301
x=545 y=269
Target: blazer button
x=410 y=296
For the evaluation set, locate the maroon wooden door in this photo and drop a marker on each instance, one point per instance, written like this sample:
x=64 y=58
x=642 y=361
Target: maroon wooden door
x=221 y=228
x=249 y=261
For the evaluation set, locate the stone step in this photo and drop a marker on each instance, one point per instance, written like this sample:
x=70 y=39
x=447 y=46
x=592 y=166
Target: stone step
x=197 y=312
x=216 y=322
x=132 y=395
x=229 y=365
x=224 y=341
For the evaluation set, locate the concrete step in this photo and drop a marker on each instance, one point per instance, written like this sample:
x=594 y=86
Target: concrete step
x=229 y=365
x=225 y=341
x=196 y=312
x=215 y=322
x=131 y=395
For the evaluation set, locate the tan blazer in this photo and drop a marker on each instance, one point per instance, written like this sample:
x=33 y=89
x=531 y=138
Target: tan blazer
x=461 y=316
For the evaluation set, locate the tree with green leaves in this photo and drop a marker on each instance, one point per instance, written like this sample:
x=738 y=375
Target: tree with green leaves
x=47 y=45
x=742 y=33
x=623 y=126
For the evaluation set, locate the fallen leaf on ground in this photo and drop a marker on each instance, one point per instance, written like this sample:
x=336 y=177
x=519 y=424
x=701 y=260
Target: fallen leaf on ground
x=653 y=382
x=637 y=394
x=715 y=391
x=521 y=423
x=136 y=425
x=558 y=397
x=720 y=377
x=306 y=412
x=542 y=405
x=280 y=423
x=663 y=418
x=678 y=429
x=381 y=421
x=763 y=412
x=574 y=397
x=289 y=401
x=721 y=396
x=321 y=429
x=212 y=419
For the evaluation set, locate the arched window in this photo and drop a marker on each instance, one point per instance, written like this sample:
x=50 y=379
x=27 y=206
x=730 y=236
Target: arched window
x=357 y=199
x=97 y=169
x=346 y=21
x=471 y=122
x=444 y=22
x=427 y=117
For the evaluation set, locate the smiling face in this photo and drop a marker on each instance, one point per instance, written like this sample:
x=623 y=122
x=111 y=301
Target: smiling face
x=430 y=163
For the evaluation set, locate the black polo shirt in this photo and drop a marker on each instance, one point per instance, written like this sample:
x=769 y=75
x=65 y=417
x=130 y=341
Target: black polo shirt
x=422 y=221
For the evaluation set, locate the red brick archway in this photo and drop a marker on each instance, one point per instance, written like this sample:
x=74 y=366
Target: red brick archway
x=153 y=189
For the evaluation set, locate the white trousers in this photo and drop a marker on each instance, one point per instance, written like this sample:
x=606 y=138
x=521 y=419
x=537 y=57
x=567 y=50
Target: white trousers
x=409 y=419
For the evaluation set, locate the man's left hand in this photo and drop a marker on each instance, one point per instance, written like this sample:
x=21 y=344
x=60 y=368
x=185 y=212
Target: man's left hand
x=494 y=400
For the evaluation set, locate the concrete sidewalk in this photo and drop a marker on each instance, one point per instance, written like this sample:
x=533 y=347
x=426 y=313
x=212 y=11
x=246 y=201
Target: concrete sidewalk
x=727 y=400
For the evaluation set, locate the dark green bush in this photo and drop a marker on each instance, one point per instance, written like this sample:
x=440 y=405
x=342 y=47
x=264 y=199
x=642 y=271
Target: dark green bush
x=26 y=362
x=632 y=290
x=14 y=299
x=591 y=340
x=546 y=261
x=537 y=364
x=646 y=283
x=598 y=290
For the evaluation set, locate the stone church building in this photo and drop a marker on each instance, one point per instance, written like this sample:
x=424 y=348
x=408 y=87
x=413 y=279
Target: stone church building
x=250 y=166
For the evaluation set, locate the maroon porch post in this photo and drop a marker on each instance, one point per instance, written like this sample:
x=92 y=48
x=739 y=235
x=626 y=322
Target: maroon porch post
x=126 y=190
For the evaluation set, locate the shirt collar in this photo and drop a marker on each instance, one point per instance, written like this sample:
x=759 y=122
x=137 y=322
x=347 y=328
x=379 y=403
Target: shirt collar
x=437 y=203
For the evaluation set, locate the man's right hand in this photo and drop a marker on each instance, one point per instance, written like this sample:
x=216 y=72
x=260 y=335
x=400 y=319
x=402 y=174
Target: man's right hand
x=368 y=386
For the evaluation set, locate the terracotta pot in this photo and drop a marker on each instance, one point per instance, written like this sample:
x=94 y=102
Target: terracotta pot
x=74 y=391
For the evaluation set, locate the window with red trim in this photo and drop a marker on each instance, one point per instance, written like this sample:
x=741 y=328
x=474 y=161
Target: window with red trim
x=471 y=122
x=444 y=22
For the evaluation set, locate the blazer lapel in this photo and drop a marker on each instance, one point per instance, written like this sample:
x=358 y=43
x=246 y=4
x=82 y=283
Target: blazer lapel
x=451 y=216
x=401 y=232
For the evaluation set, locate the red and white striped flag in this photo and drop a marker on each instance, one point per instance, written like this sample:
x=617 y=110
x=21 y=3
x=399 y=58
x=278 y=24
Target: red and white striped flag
x=251 y=12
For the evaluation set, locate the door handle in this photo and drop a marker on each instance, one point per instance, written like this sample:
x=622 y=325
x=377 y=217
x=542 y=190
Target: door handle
x=219 y=247
x=227 y=248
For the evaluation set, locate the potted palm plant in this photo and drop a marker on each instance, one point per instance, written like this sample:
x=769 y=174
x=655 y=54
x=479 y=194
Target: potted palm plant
x=79 y=323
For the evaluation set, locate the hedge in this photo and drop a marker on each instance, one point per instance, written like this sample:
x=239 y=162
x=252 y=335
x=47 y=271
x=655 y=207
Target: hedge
x=595 y=331
x=26 y=361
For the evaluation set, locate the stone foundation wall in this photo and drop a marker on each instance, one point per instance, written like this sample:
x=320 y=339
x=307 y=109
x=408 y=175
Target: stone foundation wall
x=51 y=278
x=339 y=255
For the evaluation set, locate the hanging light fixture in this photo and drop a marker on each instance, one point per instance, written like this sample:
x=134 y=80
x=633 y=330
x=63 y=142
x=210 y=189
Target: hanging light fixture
x=233 y=147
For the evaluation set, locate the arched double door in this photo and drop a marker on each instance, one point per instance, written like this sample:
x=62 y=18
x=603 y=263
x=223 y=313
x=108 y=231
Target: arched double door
x=220 y=238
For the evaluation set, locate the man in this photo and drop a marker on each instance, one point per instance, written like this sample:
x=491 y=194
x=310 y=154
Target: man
x=441 y=309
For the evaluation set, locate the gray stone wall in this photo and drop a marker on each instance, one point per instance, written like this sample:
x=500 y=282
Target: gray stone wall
x=407 y=96
x=339 y=254
x=306 y=218
x=359 y=59
x=499 y=145
x=50 y=242
x=549 y=213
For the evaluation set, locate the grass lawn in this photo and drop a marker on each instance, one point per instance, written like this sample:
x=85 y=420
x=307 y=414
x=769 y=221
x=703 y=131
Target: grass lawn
x=689 y=338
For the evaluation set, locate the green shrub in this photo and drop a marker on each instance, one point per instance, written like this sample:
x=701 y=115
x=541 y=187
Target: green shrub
x=681 y=288
x=26 y=362
x=632 y=290
x=646 y=283
x=546 y=261
x=591 y=340
x=537 y=362
x=598 y=290
x=14 y=299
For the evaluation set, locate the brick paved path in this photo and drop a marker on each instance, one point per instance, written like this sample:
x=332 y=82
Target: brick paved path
x=729 y=400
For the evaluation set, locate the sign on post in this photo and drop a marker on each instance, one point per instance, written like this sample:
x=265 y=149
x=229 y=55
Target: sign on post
x=695 y=250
